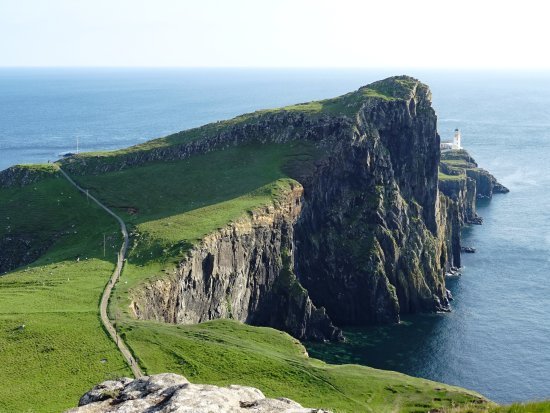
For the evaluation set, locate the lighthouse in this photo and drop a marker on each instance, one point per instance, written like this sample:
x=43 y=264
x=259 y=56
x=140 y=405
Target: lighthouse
x=454 y=144
x=456 y=140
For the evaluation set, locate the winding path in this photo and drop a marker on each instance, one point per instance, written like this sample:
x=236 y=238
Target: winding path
x=109 y=287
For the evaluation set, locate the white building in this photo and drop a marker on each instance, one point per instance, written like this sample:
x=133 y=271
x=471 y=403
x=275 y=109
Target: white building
x=454 y=144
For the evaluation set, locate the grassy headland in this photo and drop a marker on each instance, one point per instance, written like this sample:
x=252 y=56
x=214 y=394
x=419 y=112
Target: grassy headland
x=52 y=344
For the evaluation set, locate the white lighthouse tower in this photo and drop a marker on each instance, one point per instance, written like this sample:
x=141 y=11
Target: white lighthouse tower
x=456 y=140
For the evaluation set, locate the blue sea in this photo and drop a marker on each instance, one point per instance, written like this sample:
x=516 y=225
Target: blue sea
x=497 y=339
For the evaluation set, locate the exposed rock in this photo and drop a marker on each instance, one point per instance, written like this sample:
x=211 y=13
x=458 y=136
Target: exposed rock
x=21 y=175
x=469 y=183
x=469 y=250
x=163 y=393
x=17 y=250
x=367 y=242
x=244 y=272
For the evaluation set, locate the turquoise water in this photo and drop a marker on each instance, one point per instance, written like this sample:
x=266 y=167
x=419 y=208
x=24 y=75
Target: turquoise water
x=497 y=339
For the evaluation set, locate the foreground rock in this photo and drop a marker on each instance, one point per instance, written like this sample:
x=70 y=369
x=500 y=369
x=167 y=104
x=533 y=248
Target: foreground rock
x=173 y=393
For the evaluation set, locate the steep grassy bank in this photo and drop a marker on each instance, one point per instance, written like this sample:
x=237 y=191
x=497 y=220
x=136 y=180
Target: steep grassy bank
x=225 y=352
x=188 y=199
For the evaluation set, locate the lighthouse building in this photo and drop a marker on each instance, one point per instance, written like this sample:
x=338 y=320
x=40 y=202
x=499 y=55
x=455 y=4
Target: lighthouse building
x=454 y=144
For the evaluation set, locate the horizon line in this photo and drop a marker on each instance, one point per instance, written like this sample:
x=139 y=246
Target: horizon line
x=434 y=68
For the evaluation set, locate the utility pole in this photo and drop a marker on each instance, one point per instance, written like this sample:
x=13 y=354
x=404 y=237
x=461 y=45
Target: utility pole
x=77 y=145
x=88 y=196
x=103 y=245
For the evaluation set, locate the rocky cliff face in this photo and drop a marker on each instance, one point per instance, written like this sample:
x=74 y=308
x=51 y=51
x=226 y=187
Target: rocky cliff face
x=370 y=235
x=462 y=182
x=244 y=272
x=163 y=393
x=368 y=243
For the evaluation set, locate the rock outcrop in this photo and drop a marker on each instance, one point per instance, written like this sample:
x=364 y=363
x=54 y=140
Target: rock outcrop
x=245 y=272
x=461 y=184
x=163 y=393
x=17 y=250
x=21 y=175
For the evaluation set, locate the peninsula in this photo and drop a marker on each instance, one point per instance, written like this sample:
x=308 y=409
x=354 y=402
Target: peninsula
x=244 y=236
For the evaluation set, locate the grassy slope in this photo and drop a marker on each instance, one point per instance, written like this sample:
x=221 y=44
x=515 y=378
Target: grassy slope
x=454 y=164
x=345 y=105
x=226 y=352
x=48 y=364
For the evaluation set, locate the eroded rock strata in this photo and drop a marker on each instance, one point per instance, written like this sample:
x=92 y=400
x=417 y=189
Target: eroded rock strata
x=245 y=272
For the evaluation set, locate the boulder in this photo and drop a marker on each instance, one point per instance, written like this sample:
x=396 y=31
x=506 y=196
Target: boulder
x=168 y=392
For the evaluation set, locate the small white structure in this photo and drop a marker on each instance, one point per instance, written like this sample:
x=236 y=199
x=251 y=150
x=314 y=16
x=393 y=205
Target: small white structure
x=454 y=144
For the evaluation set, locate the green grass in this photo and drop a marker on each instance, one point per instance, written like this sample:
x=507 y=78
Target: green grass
x=454 y=164
x=461 y=163
x=40 y=168
x=399 y=87
x=445 y=177
x=159 y=190
x=224 y=352
x=345 y=105
x=534 y=407
x=537 y=407
x=62 y=350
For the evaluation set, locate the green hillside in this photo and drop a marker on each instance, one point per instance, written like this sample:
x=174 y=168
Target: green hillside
x=52 y=346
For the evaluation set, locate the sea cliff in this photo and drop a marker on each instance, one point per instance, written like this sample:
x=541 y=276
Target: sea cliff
x=243 y=271
x=369 y=234
x=367 y=231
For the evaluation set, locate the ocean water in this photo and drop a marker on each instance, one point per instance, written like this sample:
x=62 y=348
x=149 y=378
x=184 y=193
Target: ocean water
x=497 y=338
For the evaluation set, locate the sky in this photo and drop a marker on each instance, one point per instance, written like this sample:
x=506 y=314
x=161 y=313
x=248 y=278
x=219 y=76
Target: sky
x=276 y=33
